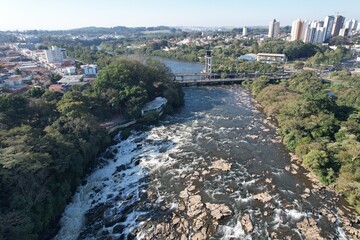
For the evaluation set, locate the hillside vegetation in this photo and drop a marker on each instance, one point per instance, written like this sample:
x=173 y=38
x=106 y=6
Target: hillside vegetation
x=321 y=124
x=50 y=140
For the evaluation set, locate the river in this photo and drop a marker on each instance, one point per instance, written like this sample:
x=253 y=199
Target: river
x=214 y=170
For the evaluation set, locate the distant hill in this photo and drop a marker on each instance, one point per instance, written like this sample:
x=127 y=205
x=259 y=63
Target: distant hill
x=96 y=31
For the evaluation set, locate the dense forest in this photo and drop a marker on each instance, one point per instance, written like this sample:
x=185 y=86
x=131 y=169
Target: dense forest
x=321 y=124
x=49 y=140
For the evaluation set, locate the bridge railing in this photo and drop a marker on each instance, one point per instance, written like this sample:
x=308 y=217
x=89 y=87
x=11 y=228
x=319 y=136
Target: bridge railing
x=203 y=76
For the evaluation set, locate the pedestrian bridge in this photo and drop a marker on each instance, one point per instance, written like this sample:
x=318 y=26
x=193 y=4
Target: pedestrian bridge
x=187 y=79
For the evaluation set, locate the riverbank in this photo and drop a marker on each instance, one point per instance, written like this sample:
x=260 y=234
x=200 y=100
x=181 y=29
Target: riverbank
x=345 y=214
x=275 y=100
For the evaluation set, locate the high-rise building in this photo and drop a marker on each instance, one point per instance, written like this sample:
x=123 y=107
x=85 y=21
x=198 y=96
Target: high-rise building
x=351 y=24
x=319 y=34
x=314 y=32
x=328 y=24
x=338 y=24
x=245 y=31
x=274 y=29
x=344 y=32
x=306 y=33
x=297 y=30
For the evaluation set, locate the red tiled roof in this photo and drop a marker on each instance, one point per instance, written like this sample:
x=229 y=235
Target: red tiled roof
x=55 y=87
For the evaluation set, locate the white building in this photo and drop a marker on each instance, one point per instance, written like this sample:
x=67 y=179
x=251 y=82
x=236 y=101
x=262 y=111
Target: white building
x=344 y=32
x=71 y=80
x=271 y=57
x=70 y=71
x=154 y=106
x=274 y=29
x=319 y=35
x=245 y=31
x=90 y=70
x=55 y=54
x=352 y=24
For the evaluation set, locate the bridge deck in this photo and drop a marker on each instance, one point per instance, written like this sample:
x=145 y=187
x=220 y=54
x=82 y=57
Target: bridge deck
x=220 y=80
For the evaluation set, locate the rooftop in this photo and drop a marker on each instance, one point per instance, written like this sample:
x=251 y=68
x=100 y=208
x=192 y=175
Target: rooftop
x=154 y=104
x=271 y=54
x=71 y=79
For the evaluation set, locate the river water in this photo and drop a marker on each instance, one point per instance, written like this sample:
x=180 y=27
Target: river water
x=214 y=170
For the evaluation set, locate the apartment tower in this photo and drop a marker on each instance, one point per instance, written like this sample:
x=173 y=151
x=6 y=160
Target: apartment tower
x=274 y=29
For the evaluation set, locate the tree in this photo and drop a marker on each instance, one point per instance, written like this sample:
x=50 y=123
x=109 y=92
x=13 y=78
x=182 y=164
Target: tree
x=54 y=77
x=18 y=71
x=36 y=92
x=299 y=65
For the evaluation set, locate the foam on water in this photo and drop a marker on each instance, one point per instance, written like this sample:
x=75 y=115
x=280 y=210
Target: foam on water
x=236 y=232
x=294 y=214
x=73 y=216
x=341 y=234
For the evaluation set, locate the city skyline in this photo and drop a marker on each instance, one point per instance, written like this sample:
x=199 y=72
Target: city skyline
x=45 y=15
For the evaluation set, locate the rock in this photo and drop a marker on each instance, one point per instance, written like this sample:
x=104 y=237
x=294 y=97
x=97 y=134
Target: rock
x=199 y=236
x=195 y=200
x=333 y=219
x=305 y=195
x=191 y=188
x=253 y=136
x=268 y=180
x=181 y=207
x=120 y=168
x=294 y=157
x=198 y=224
x=218 y=211
x=221 y=165
x=273 y=235
x=205 y=172
x=175 y=221
x=309 y=229
x=246 y=223
x=184 y=194
x=262 y=197
x=118 y=229
x=195 y=206
x=294 y=166
x=111 y=221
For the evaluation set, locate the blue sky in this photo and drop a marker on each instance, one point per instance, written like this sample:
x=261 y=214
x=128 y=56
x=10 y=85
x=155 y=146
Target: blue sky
x=66 y=14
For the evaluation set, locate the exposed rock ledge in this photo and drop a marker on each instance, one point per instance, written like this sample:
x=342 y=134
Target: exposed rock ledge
x=221 y=165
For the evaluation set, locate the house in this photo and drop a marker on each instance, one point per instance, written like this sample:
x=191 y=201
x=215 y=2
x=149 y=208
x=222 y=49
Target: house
x=55 y=54
x=71 y=80
x=90 y=70
x=154 y=106
x=56 y=88
x=13 y=81
x=271 y=57
x=70 y=71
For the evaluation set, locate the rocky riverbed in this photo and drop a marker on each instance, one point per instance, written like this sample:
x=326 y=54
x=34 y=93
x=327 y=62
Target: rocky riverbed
x=216 y=170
